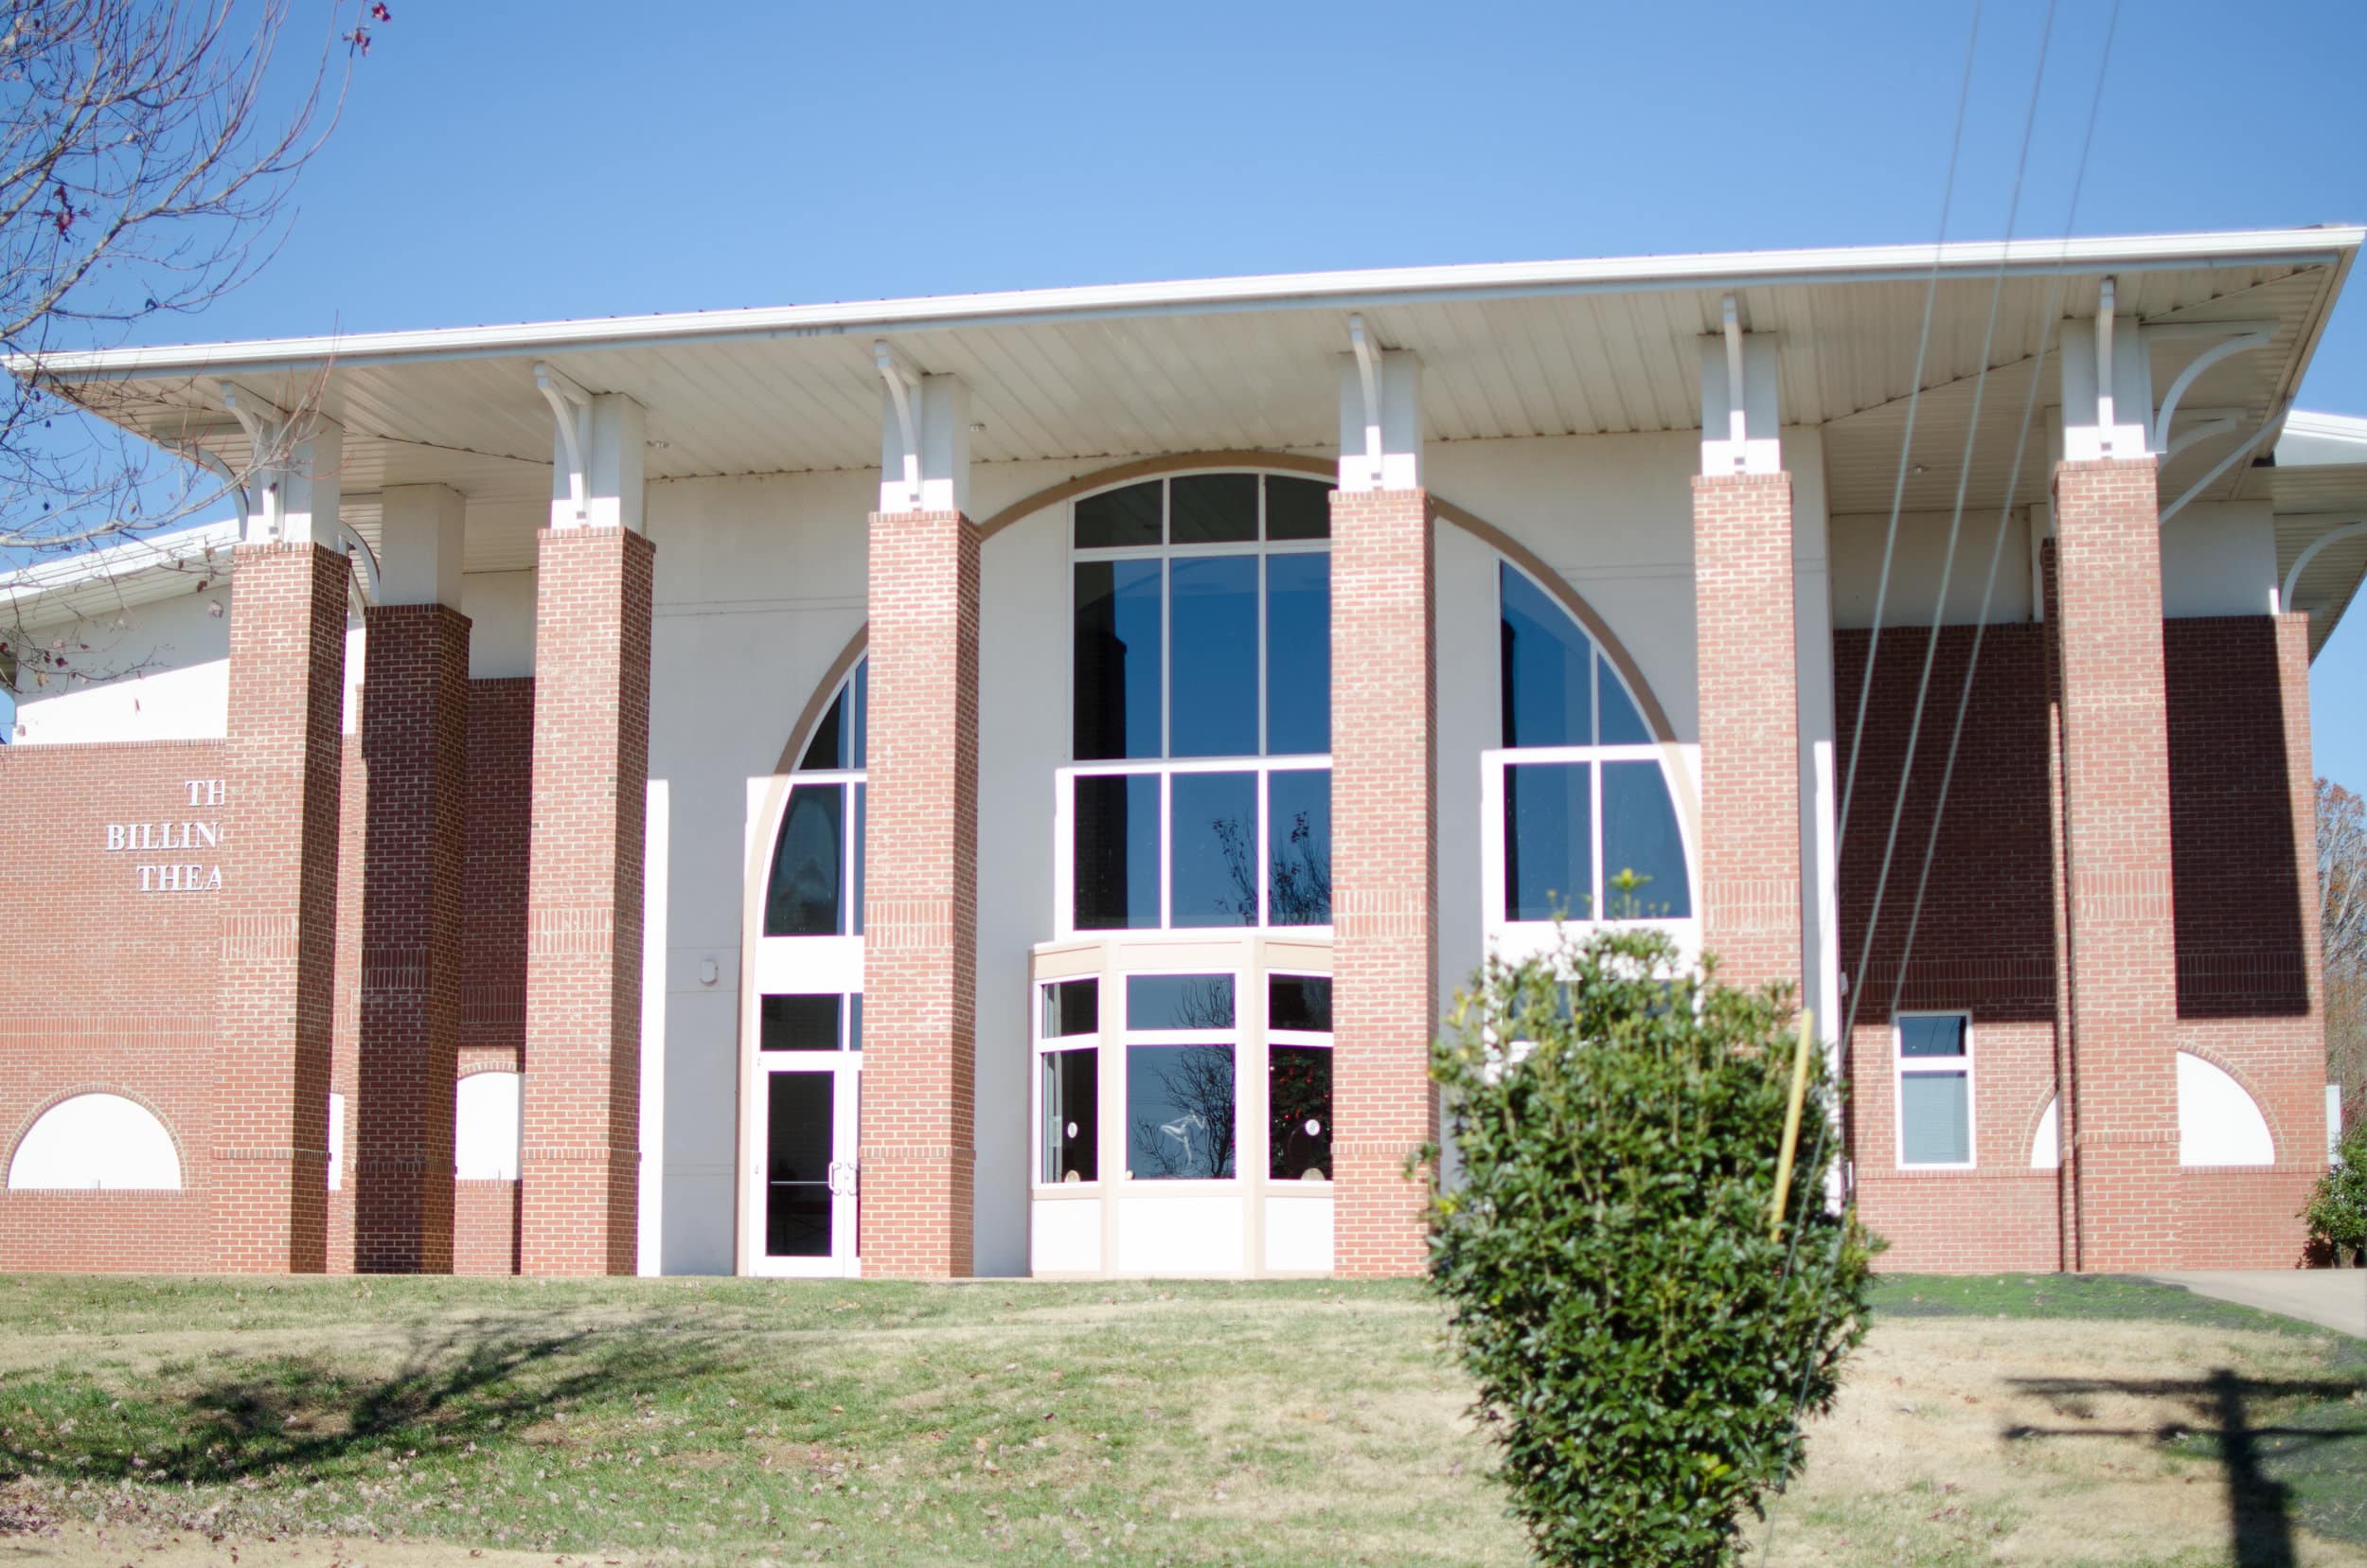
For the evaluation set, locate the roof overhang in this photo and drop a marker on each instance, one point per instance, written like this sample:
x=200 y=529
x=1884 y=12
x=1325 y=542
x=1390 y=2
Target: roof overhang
x=1101 y=373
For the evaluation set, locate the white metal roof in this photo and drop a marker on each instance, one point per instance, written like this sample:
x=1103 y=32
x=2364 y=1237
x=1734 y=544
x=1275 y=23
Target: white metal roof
x=1093 y=374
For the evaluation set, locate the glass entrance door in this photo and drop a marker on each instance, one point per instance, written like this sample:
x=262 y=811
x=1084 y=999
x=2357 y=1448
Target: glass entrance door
x=808 y=1178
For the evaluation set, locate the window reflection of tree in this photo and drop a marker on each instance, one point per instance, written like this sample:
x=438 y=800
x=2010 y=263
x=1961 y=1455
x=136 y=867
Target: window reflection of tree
x=1299 y=1096
x=1195 y=1142
x=1300 y=891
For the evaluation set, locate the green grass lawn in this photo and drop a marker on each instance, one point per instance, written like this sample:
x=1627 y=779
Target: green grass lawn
x=1282 y=1423
x=1273 y=1423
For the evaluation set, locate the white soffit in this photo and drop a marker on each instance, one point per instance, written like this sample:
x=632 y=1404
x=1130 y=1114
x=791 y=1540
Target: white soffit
x=1569 y=347
x=2319 y=485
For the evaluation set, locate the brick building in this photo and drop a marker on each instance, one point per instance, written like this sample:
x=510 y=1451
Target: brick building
x=1008 y=784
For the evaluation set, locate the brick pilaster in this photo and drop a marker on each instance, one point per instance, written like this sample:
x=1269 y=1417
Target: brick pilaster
x=2116 y=857
x=281 y=768
x=415 y=737
x=579 y=1171
x=1747 y=673
x=1384 y=867
x=920 y=909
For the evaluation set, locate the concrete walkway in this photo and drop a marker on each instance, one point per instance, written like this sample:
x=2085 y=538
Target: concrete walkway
x=2332 y=1298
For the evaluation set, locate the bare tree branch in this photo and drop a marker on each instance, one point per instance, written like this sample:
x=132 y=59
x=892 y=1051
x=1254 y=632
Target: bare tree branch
x=148 y=152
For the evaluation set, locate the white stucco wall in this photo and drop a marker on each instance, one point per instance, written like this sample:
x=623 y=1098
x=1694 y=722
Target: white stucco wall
x=2219 y=560
x=1915 y=562
x=163 y=673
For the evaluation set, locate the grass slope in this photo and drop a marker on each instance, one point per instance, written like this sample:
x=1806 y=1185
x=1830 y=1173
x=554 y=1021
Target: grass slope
x=2007 y=1420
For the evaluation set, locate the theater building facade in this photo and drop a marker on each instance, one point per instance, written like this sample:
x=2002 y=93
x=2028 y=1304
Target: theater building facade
x=1010 y=784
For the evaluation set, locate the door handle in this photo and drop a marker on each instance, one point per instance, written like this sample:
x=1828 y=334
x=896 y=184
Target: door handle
x=846 y=1182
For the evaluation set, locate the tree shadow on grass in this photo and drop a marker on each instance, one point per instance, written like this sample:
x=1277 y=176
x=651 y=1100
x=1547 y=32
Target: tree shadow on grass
x=2274 y=1471
x=249 y=1417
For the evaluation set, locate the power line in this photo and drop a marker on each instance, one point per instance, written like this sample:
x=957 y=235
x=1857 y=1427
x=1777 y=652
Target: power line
x=1939 y=608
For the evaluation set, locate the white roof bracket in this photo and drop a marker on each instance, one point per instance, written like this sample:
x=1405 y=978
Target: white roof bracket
x=2235 y=338
x=2267 y=428
x=571 y=406
x=2104 y=355
x=2207 y=423
x=1368 y=372
x=903 y=380
x=266 y=426
x=2309 y=553
x=1737 y=426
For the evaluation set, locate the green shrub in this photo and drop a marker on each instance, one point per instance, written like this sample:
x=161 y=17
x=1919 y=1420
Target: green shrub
x=2337 y=1210
x=1614 y=1291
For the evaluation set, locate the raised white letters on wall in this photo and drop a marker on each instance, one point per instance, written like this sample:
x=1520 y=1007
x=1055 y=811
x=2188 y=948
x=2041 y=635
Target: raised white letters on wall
x=186 y=836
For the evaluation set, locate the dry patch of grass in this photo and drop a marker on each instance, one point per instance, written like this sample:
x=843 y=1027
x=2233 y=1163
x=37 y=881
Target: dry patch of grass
x=415 y=1421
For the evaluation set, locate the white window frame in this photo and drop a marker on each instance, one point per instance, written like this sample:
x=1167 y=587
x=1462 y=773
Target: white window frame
x=1904 y=1066
x=1064 y=843
x=1269 y=1038
x=1119 y=1038
x=1492 y=766
x=1049 y=1045
x=1520 y=938
x=812 y=965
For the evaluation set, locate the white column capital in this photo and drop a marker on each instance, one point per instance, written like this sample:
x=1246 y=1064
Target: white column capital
x=419 y=533
x=924 y=439
x=1380 y=420
x=312 y=485
x=598 y=451
x=1739 y=412
x=2105 y=415
x=295 y=469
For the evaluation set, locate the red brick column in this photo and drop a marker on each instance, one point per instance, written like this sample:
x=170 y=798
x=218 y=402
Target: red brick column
x=920 y=900
x=1748 y=676
x=2116 y=857
x=281 y=768
x=1384 y=866
x=580 y=1169
x=414 y=738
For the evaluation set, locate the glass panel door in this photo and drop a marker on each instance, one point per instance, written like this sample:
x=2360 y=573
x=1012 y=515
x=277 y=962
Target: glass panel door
x=808 y=1181
x=798 y=1150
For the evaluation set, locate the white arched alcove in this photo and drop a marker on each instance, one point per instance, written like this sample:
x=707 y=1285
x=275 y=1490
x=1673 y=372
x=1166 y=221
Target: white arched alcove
x=2046 y=1144
x=485 y=1134
x=2218 y=1123
x=96 y=1141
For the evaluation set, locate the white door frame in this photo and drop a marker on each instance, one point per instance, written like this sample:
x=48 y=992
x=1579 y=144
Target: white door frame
x=844 y=1070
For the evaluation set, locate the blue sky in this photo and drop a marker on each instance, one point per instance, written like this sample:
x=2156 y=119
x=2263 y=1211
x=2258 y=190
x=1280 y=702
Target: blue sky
x=525 y=160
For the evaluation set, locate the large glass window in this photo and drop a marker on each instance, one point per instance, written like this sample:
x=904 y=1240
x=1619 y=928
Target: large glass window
x=1935 y=1088
x=1181 y=1108
x=1120 y=648
x=1202 y=631
x=1213 y=850
x=1068 y=1050
x=1298 y=1077
x=1116 y=874
x=1588 y=822
x=1180 y=1112
x=815 y=887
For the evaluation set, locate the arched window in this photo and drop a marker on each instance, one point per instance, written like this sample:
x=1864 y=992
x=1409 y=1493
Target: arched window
x=96 y=1141
x=815 y=887
x=1201 y=705
x=1581 y=820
